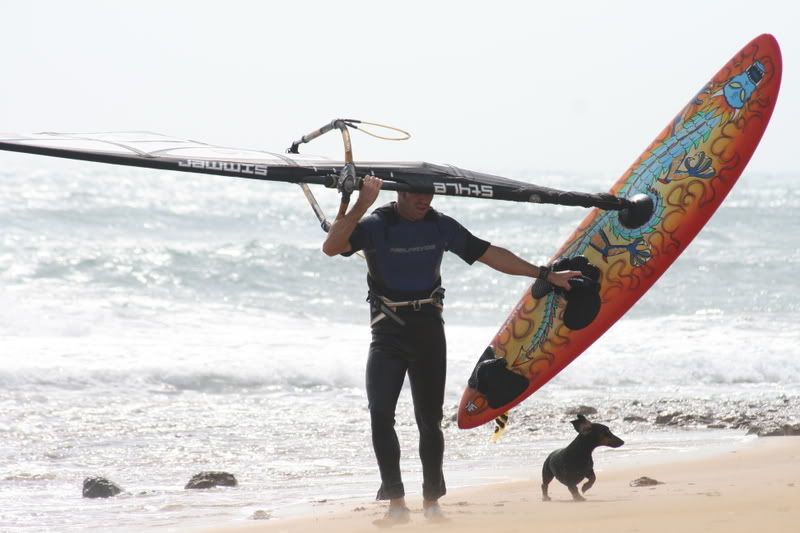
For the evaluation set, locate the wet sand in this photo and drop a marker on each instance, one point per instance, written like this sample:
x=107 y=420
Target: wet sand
x=754 y=488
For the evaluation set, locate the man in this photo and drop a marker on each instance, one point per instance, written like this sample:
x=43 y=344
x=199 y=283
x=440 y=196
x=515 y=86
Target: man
x=404 y=243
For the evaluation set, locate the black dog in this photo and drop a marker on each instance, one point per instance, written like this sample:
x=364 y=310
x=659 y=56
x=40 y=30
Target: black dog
x=571 y=464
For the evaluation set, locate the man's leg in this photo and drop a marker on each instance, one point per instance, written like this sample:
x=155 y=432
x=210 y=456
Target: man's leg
x=427 y=374
x=385 y=375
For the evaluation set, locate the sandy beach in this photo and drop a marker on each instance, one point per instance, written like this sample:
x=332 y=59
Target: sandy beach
x=754 y=488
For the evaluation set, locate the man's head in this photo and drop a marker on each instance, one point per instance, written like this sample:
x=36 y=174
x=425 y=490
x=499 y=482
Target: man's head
x=412 y=205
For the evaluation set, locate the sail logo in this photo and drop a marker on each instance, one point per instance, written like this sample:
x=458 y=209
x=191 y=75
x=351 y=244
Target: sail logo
x=225 y=166
x=461 y=189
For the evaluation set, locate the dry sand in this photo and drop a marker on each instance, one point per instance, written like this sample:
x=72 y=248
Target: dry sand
x=753 y=489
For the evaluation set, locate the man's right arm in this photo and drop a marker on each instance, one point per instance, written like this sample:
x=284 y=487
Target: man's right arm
x=338 y=239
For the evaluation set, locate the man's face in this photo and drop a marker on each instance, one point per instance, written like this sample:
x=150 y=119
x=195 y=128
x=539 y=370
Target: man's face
x=412 y=205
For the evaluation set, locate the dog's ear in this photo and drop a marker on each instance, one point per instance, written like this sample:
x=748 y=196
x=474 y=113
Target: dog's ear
x=582 y=425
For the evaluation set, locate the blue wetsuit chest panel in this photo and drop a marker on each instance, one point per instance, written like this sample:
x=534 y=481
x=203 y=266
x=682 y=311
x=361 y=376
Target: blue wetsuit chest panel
x=404 y=257
x=407 y=256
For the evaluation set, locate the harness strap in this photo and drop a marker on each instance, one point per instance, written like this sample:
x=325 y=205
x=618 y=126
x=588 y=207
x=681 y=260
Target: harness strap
x=384 y=307
x=377 y=305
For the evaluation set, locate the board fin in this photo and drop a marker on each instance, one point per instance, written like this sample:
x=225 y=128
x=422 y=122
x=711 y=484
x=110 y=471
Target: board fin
x=500 y=427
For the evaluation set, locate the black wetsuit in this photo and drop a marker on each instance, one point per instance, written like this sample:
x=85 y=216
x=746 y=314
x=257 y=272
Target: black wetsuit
x=404 y=259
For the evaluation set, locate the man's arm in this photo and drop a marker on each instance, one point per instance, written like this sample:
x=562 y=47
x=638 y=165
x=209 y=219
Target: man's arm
x=338 y=239
x=507 y=262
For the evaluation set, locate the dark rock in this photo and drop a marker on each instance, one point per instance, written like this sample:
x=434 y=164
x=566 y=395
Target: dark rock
x=207 y=480
x=582 y=410
x=664 y=419
x=742 y=422
x=634 y=418
x=645 y=481
x=99 y=487
x=786 y=430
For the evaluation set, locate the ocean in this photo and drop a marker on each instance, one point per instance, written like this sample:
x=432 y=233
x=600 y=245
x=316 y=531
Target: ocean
x=154 y=325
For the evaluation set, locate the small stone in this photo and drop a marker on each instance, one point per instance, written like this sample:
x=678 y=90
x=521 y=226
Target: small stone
x=644 y=481
x=261 y=515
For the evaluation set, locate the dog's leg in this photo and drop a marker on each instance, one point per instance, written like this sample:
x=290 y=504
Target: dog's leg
x=589 y=483
x=575 y=494
x=547 y=477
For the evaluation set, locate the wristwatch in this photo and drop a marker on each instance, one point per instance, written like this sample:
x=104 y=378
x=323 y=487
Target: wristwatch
x=543 y=273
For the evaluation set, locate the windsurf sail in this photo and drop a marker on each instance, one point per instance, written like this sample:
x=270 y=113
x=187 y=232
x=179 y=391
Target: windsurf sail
x=156 y=151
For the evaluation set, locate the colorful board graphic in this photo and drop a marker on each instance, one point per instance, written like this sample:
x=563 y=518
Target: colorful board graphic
x=687 y=171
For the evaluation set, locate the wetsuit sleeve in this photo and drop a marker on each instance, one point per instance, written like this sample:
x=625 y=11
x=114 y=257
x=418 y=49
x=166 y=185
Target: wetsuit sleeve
x=361 y=238
x=463 y=243
x=357 y=239
x=476 y=247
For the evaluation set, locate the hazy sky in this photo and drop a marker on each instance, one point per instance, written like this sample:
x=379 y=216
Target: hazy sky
x=578 y=86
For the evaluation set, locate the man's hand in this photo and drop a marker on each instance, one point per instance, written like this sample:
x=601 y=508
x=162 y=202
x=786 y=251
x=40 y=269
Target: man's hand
x=561 y=279
x=338 y=239
x=368 y=193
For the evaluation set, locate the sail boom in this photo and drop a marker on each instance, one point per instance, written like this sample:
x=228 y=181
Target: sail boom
x=156 y=151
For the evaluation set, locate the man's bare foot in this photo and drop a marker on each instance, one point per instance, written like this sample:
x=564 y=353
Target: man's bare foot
x=432 y=511
x=397 y=514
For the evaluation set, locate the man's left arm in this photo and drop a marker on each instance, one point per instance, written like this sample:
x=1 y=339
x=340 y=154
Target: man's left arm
x=507 y=262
